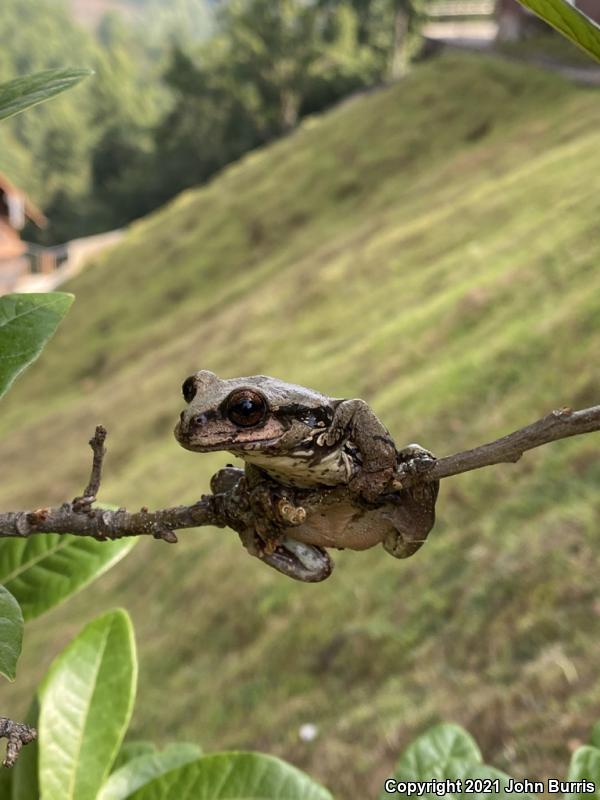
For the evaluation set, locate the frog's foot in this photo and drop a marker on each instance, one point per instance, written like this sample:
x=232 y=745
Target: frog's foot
x=302 y=562
x=226 y=479
x=289 y=513
x=274 y=509
x=413 y=461
x=399 y=546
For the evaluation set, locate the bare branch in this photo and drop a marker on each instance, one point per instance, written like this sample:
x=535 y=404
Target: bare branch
x=84 y=502
x=231 y=508
x=558 y=424
x=102 y=524
x=17 y=734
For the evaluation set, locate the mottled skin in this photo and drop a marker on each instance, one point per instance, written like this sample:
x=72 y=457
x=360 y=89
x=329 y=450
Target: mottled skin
x=317 y=467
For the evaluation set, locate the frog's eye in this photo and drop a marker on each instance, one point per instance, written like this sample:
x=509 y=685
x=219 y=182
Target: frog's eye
x=188 y=389
x=246 y=408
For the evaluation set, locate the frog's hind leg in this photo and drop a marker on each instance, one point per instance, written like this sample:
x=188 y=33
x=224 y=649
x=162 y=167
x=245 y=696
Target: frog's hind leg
x=412 y=516
x=302 y=562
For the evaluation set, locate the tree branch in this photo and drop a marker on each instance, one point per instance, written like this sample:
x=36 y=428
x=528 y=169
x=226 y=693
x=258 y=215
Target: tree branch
x=559 y=424
x=231 y=508
x=84 y=502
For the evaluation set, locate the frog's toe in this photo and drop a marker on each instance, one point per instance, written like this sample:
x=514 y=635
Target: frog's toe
x=413 y=456
x=289 y=513
x=413 y=461
x=399 y=547
x=226 y=479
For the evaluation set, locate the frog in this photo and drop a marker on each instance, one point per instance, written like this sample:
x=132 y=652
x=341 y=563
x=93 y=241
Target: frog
x=319 y=472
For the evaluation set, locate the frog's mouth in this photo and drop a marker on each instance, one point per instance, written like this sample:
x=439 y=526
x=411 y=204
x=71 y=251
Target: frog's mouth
x=203 y=434
x=207 y=444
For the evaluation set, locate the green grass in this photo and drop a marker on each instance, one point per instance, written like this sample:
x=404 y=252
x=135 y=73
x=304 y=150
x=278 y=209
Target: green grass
x=432 y=247
x=547 y=46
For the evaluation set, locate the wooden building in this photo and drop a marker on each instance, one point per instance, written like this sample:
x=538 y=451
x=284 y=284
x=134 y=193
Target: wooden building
x=15 y=210
x=589 y=7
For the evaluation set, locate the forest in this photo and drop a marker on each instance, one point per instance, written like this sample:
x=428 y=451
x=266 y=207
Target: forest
x=170 y=103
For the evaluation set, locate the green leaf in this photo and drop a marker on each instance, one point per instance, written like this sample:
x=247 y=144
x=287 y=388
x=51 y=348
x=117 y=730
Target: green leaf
x=43 y=570
x=11 y=633
x=6 y=780
x=234 y=776
x=141 y=770
x=441 y=752
x=584 y=766
x=569 y=21
x=446 y=752
x=86 y=704
x=27 y=321
x=25 y=771
x=29 y=90
x=131 y=750
x=595 y=736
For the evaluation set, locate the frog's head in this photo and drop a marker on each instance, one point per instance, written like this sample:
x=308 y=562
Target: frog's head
x=249 y=414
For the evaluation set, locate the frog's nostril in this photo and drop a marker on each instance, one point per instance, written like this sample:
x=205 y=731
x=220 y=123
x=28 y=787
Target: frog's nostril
x=200 y=419
x=181 y=416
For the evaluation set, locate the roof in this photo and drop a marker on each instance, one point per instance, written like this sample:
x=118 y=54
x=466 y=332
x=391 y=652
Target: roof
x=31 y=210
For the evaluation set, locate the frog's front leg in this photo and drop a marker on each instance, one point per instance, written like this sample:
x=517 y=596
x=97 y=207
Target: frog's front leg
x=354 y=420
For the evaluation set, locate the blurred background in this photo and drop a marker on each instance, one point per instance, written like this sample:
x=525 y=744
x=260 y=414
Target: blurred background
x=390 y=199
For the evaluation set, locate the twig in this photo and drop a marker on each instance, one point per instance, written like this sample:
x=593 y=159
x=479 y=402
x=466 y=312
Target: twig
x=231 y=509
x=84 y=502
x=17 y=734
x=559 y=424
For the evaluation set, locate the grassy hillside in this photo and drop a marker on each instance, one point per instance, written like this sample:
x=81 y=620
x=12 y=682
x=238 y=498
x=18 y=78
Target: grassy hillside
x=433 y=248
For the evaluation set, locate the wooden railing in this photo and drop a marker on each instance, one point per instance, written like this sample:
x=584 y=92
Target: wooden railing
x=450 y=9
x=44 y=260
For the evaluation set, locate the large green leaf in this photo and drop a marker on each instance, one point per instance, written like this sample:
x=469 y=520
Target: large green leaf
x=141 y=770
x=131 y=750
x=447 y=752
x=584 y=766
x=441 y=752
x=595 y=736
x=86 y=702
x=570 y=22
x=491 y=777
x=27 y=321
x=43 y=570
x=21 y=93
x=6 y=781
x=11 y=633
x=234 y=776
x=25 y=772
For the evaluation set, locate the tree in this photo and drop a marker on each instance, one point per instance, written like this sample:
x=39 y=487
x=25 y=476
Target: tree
x=390 y=28
x=272 y=47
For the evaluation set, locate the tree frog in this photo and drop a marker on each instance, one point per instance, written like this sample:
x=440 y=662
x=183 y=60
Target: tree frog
x=320 y=472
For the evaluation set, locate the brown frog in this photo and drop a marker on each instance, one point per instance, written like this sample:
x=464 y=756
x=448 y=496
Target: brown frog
x=320 y=472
